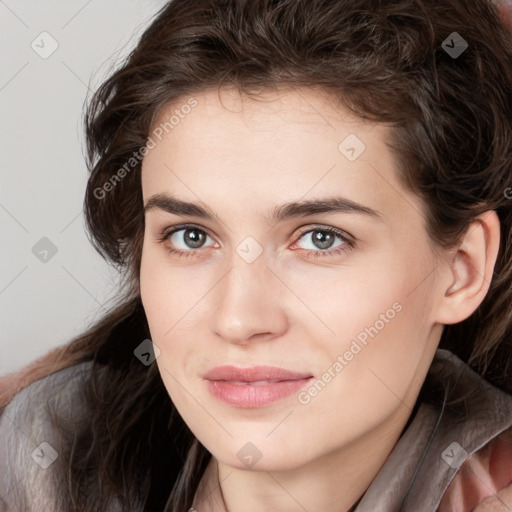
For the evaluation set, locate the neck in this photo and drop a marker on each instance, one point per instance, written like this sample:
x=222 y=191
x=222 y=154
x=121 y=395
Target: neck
x=335 y=481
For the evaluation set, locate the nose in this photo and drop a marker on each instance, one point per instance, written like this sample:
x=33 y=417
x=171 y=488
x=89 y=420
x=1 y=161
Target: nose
x=247 y=304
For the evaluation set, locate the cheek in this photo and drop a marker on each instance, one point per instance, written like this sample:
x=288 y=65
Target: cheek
x=377 y=311
x=152 y=286
x=164 y=308
x=374 y=294
x=167 y=292
x=174 y=309
x=383 y=334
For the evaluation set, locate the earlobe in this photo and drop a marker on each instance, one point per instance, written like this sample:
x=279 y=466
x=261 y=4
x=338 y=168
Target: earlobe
x=470 y=270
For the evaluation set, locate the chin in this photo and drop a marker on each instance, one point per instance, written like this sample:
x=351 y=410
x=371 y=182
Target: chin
x=260 y=456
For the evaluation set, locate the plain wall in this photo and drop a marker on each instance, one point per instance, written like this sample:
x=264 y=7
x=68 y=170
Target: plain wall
x=45 y=298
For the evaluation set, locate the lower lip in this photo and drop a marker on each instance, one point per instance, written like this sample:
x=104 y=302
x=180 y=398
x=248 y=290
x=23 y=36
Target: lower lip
x=253 y=396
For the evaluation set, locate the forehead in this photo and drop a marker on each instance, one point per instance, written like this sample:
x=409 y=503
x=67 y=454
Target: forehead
x=270 y=114
x=279 y=146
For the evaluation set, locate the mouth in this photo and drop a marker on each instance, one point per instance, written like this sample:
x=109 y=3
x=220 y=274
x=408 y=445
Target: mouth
x=254 y=387
x=254 y=383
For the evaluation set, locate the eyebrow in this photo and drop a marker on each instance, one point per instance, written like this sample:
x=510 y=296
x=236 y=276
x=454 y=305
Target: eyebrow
x=280 y=212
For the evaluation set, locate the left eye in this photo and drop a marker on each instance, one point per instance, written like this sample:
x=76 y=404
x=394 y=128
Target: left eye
x=323 y=239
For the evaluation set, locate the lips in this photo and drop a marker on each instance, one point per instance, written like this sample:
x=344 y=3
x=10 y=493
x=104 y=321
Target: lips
x=253 y=374
x=254 y=387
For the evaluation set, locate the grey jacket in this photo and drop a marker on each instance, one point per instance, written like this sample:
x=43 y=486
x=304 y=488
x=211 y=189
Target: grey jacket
x=416 y=475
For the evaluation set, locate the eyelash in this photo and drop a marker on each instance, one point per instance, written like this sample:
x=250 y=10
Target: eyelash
x=348 y=241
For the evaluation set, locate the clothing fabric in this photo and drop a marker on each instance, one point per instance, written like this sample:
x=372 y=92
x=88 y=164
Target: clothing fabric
x=454 y=456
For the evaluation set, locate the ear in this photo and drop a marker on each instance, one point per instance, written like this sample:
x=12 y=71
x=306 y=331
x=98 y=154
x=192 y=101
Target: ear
x=469 y=269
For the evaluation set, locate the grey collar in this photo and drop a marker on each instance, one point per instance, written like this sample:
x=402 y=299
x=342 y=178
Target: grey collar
x=467 y=414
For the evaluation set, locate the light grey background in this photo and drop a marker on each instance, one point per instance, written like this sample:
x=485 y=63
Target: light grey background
x=43 y=175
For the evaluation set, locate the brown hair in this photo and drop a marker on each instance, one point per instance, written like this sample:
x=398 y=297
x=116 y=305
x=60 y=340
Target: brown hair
x=385 y=60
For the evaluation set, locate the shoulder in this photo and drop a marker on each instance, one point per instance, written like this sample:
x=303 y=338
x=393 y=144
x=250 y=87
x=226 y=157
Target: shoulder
x=29 y=443
x=455 y=454
x=476 y=443
x=484 y=480
x=49 y=363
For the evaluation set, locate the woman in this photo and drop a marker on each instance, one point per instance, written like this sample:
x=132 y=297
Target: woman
x=310 y=204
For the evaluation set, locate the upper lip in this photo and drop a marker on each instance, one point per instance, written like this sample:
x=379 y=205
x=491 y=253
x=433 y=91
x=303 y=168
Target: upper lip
x=253 y=374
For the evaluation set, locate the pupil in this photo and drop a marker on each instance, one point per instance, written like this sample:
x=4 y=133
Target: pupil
x=322 y=239
x=194 y=238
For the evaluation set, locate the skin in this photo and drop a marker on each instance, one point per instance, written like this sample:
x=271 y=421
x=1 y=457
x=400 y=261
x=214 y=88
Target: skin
x=241 y=158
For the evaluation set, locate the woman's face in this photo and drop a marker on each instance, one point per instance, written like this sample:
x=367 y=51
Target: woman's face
x=296 y=248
